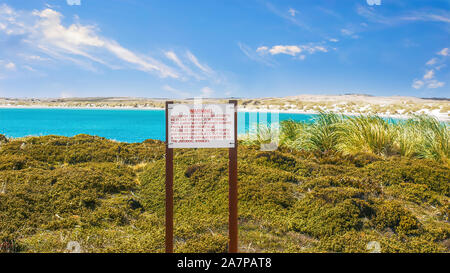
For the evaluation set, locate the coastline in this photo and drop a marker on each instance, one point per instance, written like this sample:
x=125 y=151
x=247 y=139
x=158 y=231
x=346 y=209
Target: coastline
x=440 y=116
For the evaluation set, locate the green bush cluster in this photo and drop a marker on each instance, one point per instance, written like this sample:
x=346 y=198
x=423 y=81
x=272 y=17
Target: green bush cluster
x=392 y=215
x=82 y=148
x=3 y=139
x=109 y=197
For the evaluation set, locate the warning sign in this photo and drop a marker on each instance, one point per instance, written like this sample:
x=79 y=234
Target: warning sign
x=201 y=125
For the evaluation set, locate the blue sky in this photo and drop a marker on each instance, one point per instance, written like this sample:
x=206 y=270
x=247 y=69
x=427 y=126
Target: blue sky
x=251 y=48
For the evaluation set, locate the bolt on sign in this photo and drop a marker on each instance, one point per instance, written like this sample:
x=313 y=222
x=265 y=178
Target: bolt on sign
x=202 y=126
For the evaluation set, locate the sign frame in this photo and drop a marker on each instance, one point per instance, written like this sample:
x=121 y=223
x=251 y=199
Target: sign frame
x=214 y=120
x=232 y=187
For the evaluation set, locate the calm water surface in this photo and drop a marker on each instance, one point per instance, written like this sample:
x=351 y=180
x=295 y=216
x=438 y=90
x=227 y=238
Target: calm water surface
x=121 y=125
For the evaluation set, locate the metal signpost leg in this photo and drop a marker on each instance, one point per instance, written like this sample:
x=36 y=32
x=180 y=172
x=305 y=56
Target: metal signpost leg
x=169 y=188
x=233 y=190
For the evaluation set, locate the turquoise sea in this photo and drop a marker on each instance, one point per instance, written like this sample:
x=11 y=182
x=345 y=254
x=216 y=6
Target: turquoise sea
x=121 y=125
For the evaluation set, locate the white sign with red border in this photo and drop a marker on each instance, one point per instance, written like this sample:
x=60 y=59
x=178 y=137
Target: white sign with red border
x=201 y=125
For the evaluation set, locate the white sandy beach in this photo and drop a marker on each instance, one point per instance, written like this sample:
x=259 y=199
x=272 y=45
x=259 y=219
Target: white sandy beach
x=360 y=104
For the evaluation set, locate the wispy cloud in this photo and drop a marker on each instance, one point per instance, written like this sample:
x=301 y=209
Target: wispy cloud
x=429 y=75
x=36 y=58
x=6 y=69
x=440 y=16
x=74 y=2
x=10 y=66
x=291 y=50
x=263 y=54
x=206 y=71
x=417 y=84
x=47 y=39
x=371 y=14
x=444 y=52
x=174 y=58
x=281 y=49
x=373 y=2
x=435 y=84
x=292 y=12
x=203 y=67
x=429 y=78
x=254 y=56
x=288 y=16
x=349 y=33
x=43 y=31
x=29 y=68
x=432 y=61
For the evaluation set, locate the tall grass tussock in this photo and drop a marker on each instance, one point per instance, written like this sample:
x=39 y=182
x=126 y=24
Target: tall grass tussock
x=420 y=136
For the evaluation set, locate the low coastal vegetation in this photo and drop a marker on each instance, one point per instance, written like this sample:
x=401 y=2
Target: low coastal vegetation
x=338 y=185
x=420 y=136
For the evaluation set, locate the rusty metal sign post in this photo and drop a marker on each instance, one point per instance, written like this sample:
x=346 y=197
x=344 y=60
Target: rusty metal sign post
x=203 y=126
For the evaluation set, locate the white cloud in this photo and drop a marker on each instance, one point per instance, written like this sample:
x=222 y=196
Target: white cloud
x=288 y=16
x=35 y=58
x=8 y=21
x=373 y=2
x=436 y=63
x=439 y=67
x=29 y=68
x=435 y=84
x=207 y=92
x=444 y=17
x=417 y=84
x=349 y=33
x=143 y=63
x=10 y=66
x=291 y=50
x=262 y=49
x=429 y=75
x=292 y=12
x=74 y=2
x=333 y=40
x=45 y=35
x=203 y=67
x=174 y=58
x=444 y=52
x=315 y=49
x=80 y=44
x=432 y=61
x=250 y=53
x=438 y=15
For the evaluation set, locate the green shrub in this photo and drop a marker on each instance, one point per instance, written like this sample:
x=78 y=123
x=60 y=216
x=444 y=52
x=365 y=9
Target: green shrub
x=109 y=197
x=417 y=193
x=205 y=243
x=317 y=218
x=392 y=215
x=354 y=241
x=3 y=139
